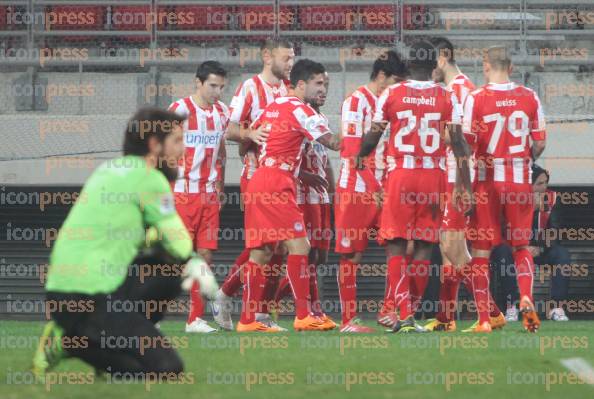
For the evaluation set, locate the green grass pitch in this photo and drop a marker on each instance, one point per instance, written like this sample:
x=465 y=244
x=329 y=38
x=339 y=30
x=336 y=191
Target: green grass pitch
x=505 y=364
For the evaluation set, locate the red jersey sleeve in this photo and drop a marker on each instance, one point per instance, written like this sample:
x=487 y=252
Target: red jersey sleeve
x=312 y=124
x=381 y=109
x=454 y=110
x=352 y=117
x=241 y=104
x=538 y=128
x=470 y=123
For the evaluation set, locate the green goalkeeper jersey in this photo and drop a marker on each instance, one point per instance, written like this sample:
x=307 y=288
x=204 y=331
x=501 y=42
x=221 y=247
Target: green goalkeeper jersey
x=107 y=226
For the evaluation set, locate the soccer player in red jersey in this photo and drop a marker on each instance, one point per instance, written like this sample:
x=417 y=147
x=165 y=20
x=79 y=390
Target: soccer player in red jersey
x=454 y=249
x=201 y=171
x=315 y=186
x=418 y=111
x=355 y=207
x=508 y=125
x=250 y=99
x=272 y=215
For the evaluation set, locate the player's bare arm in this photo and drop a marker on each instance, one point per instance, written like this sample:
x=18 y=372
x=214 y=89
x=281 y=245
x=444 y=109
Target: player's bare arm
x=538 y=147
x=462 y=153
x=370 y=141
x=221 y=160
x=331 y=141
x=243 y=134
x=330 y=179
x=313 y=180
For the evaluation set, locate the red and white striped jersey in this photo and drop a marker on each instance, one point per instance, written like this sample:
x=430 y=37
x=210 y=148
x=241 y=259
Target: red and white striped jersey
x=250 y=99
x=315 y=161
x=292 y=124
x=203 y=134
x=462 y=87
x=503 y=118
x=357 y=113
x=417 y=113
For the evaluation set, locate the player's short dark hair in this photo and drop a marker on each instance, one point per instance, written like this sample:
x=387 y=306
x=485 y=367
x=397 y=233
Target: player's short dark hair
x=444 y=48
x=422 y=59
x=210 y=67
x=304 y=70
x=537 y=171
x=148 y=122
x=390 y=63
x=275 y=42
x=498 y=57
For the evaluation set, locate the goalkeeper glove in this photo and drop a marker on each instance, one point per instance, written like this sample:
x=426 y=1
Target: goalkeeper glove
x=198 y=270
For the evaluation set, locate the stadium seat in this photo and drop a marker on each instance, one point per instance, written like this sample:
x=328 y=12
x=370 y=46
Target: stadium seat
x=77 y=17
x=133 y=18
x=328 y=18
x=262 y=17
x=325 y=18
x=80 y=18
x=378 y=17
x=204 y=17
x=3 y=25
x=409 y=23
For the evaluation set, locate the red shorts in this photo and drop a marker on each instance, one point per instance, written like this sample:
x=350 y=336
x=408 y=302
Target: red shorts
x=316 y=218
x=453 y=219
x=412 y=208
x=496 y=203
x=356 y=216
x=312 y=218
x=323 y=242
x=200 y=214
x=243 y=183
x=271 y=212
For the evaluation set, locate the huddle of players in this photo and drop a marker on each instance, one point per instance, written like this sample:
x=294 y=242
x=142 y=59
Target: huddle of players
x=418 y=130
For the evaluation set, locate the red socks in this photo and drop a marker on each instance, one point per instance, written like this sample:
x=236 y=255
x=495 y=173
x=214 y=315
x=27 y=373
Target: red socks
x=448 y=293
x=400 y=282
x=347 y=289
x=254 y=280
x=284 y=289
x=233 y=280
x=314 y=295
x=299 y=279
x=196 y=303
x=389 y=305
x=494 y=310
x=479 y=269
x=273 y=270
x=419 y=277
x=524 y=272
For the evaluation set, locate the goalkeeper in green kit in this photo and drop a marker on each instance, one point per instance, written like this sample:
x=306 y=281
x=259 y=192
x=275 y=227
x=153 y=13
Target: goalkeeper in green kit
x=123 y=254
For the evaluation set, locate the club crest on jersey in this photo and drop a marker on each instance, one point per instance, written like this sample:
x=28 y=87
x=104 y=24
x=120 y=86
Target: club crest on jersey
x=167 y=204
x=298 y=226
x=345 y=242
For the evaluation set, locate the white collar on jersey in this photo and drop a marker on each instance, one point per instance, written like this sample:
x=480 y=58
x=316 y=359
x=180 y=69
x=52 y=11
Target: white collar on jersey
x=456 y=79
x=199 y=108
x=273 y=87
x=502 y=86
x=419 y=84
x=369 y=91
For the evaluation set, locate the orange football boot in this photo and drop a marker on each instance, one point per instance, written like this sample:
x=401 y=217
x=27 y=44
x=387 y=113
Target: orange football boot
x=530 y=319
x=256 y=326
